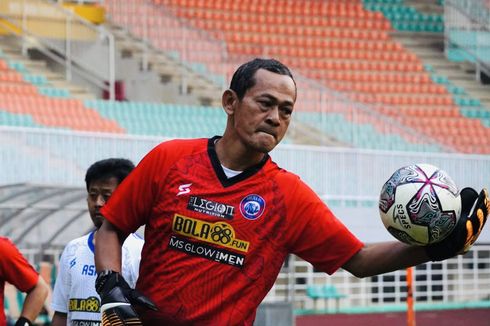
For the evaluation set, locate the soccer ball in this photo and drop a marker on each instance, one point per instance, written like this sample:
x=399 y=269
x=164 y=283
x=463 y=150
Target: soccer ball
x=419 y=204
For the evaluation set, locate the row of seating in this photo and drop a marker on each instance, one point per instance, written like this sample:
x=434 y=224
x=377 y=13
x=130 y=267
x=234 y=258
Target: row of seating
x=15 y=78
x=293 y=20
x=317 y=53
x=403 y=98
x=281 y=7
x=369 y=76
x=363 y=130
x=444 y=111
x=160 y=119
x=406 y=18
x=280 y=19
x=18 y=88
x=315 y=42
x=57 y=112
x=217 y=27
x=380 y=88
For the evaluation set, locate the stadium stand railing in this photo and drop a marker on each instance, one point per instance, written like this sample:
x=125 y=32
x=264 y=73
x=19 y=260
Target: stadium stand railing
x=468 y=32
x=458 y=283
x=62 y=35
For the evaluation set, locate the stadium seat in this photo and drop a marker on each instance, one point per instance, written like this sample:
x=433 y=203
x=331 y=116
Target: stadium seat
x=325 y=292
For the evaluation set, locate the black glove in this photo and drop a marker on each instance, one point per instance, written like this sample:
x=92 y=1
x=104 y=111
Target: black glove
x=474 y=212
x=117 y=299
x=22 y=321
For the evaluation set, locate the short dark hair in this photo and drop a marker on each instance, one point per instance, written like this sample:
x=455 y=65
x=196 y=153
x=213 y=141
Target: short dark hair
x=118 y=168
x=243 y=78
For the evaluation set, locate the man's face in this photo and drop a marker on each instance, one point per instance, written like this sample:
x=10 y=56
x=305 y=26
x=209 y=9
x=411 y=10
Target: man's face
x=99 y=192
x=262 y=117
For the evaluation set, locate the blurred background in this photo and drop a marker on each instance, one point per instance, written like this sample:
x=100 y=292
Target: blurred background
x=381 y=84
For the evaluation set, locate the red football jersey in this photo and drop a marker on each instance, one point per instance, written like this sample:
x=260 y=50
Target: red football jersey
x=214 y=246
x=16 y=270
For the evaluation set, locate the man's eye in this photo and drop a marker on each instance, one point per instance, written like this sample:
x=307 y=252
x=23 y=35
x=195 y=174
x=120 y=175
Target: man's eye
x=287 y=112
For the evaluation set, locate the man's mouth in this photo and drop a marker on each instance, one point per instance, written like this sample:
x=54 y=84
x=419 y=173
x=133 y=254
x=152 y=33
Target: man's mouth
x=270 y=133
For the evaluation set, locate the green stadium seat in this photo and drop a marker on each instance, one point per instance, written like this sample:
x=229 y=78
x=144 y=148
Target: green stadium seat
x=37 y=80
x=54 y=92
x=326 y=292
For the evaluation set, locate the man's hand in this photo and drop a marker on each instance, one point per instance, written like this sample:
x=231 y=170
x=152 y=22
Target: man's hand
x=474 y=213
x=117 y=299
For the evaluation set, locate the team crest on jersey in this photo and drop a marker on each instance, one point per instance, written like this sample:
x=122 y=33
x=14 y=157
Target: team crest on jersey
x=252 y=207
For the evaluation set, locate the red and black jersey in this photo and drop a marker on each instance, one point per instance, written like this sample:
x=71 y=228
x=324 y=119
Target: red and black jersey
x=16 y=270
x=214 y=246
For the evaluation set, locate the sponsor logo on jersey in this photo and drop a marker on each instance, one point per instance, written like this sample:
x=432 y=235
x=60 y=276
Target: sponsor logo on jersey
x=220 y=233
x=89 y=270
x=184 y=189
x=252 y=207
x=90 y=304
x=219 y=255
x=210 y=207
x=84 y=323
x=73 y=262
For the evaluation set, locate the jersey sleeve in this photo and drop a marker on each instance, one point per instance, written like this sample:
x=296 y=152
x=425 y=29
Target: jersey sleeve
x=318 y=236
x=61 y=291
x=131 y=258
x=130 y=205
x=15 y=269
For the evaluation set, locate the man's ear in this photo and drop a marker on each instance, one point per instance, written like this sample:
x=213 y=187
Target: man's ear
x=229 y=100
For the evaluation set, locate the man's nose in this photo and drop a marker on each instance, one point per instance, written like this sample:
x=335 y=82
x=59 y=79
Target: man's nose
x=100 y=201
x=273 y=117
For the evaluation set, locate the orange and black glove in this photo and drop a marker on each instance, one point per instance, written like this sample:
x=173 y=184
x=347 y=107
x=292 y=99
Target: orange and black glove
x=474 y=213
x=118 y=298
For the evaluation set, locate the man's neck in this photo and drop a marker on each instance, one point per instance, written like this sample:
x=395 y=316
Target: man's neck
x=234 y=156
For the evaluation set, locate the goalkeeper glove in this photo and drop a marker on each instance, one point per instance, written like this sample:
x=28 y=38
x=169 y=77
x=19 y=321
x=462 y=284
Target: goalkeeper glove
x=117 y=298
x=22 y=321
x=474 y=212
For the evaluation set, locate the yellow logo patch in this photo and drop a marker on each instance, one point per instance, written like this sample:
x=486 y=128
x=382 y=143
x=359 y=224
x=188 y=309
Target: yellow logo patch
x=220 y=233
x=91 y=304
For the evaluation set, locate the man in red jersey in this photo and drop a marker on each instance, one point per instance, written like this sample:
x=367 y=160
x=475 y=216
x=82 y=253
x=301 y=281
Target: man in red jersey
x=221 y=217
x=16 y=270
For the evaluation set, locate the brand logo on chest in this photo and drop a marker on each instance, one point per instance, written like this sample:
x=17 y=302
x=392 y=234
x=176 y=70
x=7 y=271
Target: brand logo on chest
x=210 y=207
x=220 y=233
x=184 y=189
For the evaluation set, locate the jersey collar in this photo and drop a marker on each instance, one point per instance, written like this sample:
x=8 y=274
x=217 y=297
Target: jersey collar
x=90 y=241
x=225 y=182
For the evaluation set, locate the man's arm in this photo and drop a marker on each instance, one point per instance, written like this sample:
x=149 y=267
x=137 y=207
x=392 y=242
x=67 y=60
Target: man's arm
x=391 y=256
x=385 y=257
x=117 y=297
x=108 y=243
x=59 y=319
x=34 y=300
